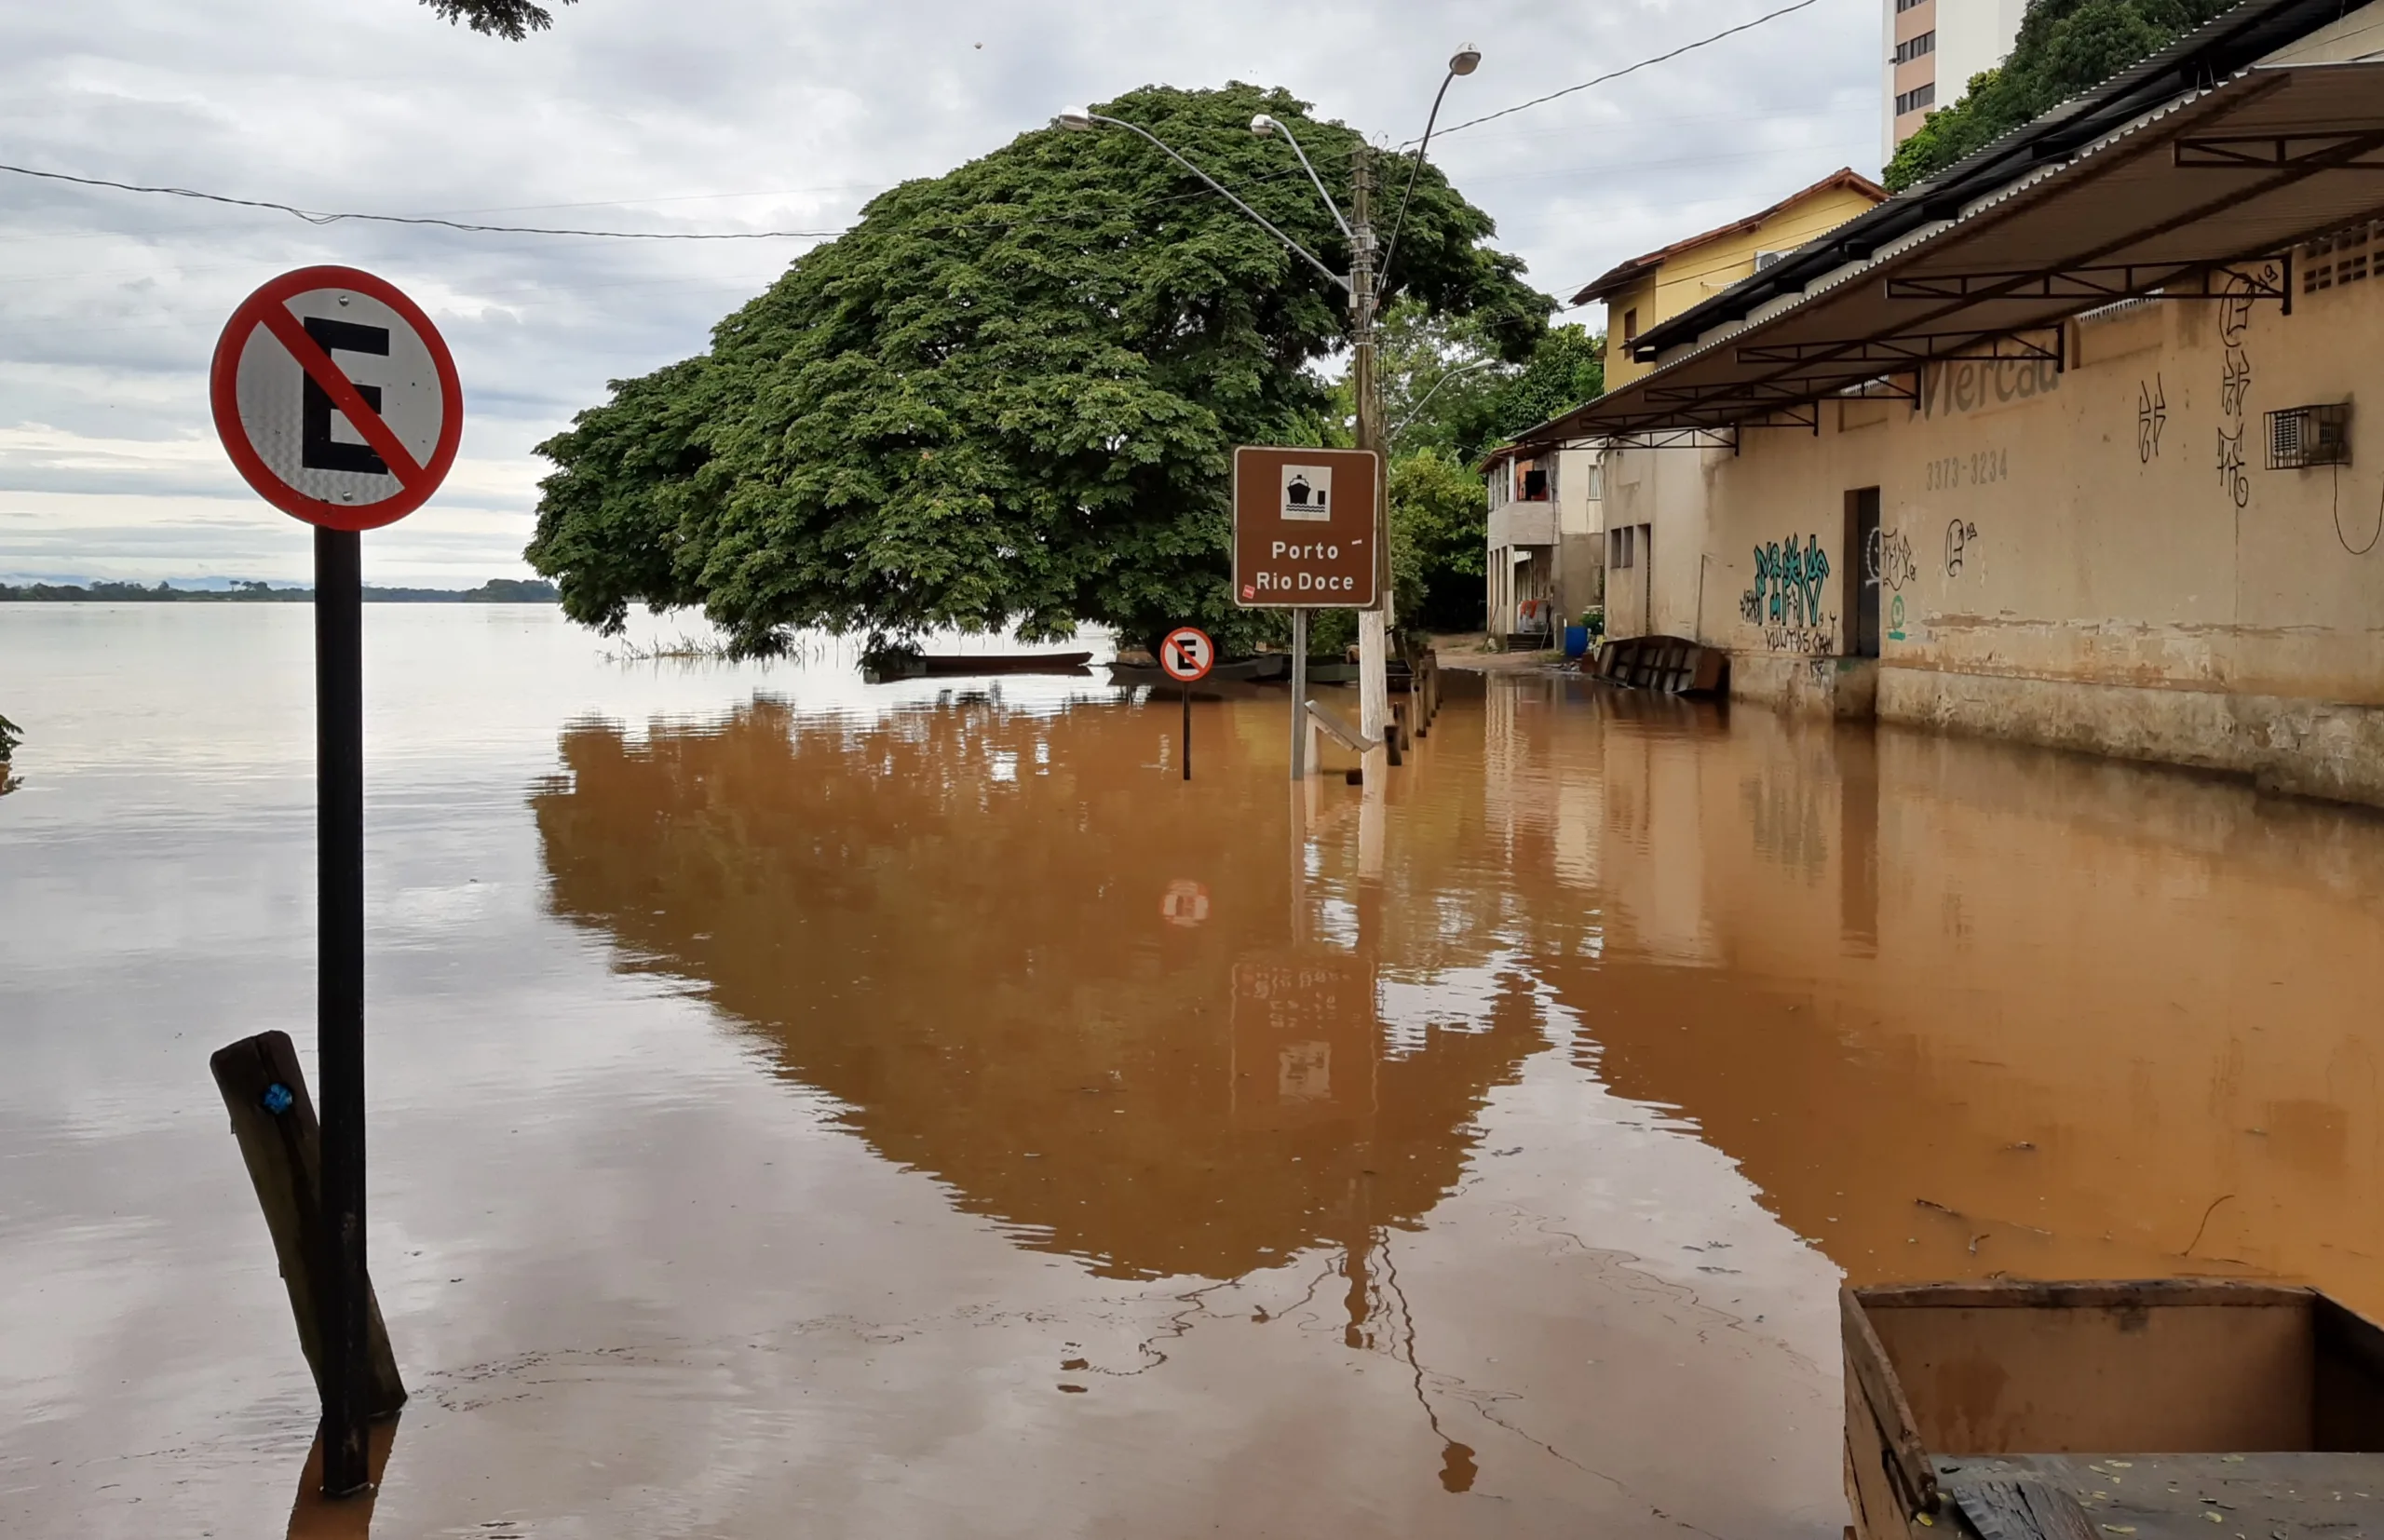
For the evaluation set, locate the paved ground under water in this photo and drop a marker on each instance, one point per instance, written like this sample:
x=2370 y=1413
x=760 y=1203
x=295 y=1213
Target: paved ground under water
x=809 y=1107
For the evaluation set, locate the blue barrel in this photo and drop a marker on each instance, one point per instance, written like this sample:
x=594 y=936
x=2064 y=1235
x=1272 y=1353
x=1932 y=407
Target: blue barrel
x=1576 y=641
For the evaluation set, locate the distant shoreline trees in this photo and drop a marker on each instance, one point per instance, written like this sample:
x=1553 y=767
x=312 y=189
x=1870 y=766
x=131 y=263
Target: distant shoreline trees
x=496 y=591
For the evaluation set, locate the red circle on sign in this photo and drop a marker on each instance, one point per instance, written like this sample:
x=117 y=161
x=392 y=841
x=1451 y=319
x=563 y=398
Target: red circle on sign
x=416 y=481
x=1187 y=653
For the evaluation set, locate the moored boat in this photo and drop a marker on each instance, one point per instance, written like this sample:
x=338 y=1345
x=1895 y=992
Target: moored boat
x=2071 y=1410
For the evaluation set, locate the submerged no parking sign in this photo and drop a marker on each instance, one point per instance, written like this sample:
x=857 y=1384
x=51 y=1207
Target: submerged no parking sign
x=337 y=398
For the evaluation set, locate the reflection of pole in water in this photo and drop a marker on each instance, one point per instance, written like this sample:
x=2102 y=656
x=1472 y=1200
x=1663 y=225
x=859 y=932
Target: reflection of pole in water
x=316 y=1517
x=1371 y=815
x=1457 y=1468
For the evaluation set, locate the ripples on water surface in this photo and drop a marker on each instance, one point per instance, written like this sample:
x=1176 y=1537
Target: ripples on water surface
x=795 y=1105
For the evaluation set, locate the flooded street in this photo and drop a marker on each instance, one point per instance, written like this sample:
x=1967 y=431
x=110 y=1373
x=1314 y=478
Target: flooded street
x=912 y=1110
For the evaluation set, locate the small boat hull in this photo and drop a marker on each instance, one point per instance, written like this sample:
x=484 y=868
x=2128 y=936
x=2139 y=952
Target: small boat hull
x=2069 y=1410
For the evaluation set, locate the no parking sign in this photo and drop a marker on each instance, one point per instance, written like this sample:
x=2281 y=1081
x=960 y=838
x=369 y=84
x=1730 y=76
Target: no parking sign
x=336 y=398
x=338 y=402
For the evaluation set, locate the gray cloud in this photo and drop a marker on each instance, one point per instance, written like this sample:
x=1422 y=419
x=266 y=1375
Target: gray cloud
x=711 y=114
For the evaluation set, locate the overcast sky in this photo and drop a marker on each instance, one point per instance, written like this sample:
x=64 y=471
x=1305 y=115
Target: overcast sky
x=711 y=114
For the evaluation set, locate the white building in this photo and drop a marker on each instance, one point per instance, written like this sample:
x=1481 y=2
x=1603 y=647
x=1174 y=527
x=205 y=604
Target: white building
x=1547 y=540
x=1933 y=48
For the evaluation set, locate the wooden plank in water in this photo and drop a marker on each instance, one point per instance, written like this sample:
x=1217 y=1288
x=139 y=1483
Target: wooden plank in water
x=274 y=1120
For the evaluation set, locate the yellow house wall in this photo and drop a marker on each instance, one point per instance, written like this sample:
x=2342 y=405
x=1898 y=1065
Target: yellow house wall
x=1694 y=277
x=2110 y=529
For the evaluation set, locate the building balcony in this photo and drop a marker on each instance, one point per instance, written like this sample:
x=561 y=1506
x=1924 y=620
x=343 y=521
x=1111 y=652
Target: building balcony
x=1523 y=523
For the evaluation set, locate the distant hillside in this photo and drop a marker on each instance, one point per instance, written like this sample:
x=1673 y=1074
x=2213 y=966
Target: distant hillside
x=496 y=591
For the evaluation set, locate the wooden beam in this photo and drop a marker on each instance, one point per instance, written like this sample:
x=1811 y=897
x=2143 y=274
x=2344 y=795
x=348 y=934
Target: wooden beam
x=274 y=1121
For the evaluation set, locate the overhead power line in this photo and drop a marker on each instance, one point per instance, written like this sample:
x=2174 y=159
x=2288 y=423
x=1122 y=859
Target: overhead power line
x=316 y=216
x=1633 y=69
x=313 y=216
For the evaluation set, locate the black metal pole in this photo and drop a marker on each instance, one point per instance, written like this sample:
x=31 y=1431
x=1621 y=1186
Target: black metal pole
x=1188 y=729
x=339 y=1021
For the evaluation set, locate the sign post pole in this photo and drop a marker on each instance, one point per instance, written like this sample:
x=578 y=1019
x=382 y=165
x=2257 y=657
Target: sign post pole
x=339 y=1020
x=338 y=401
x=1187 y=654
x=1307 y=535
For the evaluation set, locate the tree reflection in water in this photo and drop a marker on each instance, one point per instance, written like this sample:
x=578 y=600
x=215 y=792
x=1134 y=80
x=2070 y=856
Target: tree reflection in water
x=950 y=920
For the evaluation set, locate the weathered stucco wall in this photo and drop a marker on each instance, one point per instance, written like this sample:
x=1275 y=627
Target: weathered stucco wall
x=1665 y=495
x=2094 y=557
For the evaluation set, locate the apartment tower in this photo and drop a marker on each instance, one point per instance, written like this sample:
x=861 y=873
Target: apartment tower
x=1933 y=48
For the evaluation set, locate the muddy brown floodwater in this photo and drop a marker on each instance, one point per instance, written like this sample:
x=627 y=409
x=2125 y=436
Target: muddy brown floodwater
x=806 y=1107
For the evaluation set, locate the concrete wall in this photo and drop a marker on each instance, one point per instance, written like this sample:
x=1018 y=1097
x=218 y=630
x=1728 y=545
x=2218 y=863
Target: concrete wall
x=1663 y=494
x=2095 y=558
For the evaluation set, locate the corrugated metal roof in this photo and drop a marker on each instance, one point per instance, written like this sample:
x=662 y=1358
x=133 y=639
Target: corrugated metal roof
x=2210 y=178
x=2216 y=51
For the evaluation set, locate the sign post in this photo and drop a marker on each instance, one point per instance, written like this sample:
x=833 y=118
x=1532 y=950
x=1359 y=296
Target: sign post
x=338 y=402
x=1187 y=654
x=1304 y=537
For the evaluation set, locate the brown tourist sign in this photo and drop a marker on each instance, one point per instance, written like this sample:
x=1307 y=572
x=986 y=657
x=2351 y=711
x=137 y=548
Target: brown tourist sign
x=1303 y=527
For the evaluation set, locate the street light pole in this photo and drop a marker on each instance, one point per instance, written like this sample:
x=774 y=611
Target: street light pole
x=1366 y=379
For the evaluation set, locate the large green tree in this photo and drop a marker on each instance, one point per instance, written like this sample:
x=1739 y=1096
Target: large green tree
x=1008 y=395
x=2065 y=47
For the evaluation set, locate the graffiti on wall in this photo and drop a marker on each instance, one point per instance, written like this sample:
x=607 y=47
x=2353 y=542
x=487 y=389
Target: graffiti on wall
x=1888 y=566
x=2235 y=380
x=1786 y=599
x=1959 y=534
x=2151 y=415
x=1887 y=560
x=1788 y=579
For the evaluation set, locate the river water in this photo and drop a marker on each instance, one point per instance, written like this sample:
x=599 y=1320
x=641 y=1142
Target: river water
x=806 y=1106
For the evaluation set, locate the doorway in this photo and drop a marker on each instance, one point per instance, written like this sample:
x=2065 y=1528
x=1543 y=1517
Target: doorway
x=1862 y=537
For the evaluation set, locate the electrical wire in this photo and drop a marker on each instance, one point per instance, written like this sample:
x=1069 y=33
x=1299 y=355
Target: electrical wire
x=1628 y=69
x=317 y=217
x=314 y=216
x=2343 y=539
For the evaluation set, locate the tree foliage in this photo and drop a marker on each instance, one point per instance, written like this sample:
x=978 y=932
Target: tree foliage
x=2065 y=48
x=1439 y=520
x=1007 y=396
x=512 y=19
x=1445 y=387
x=1447 y=400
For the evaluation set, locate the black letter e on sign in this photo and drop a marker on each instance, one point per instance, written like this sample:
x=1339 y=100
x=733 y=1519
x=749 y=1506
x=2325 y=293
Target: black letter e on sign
x=316 y=449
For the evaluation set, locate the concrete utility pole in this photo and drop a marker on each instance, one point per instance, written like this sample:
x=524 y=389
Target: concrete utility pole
x=1365 y=379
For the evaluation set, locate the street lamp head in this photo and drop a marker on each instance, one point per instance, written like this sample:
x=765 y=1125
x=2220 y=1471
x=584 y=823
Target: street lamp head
x=1077 y=119
x=1465 y=61
x=1264 y=126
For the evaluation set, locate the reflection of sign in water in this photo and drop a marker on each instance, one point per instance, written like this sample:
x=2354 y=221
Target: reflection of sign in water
x=1307 y=494
x=1304 y=1072
x=1305 y=1040
x=1185 y=903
